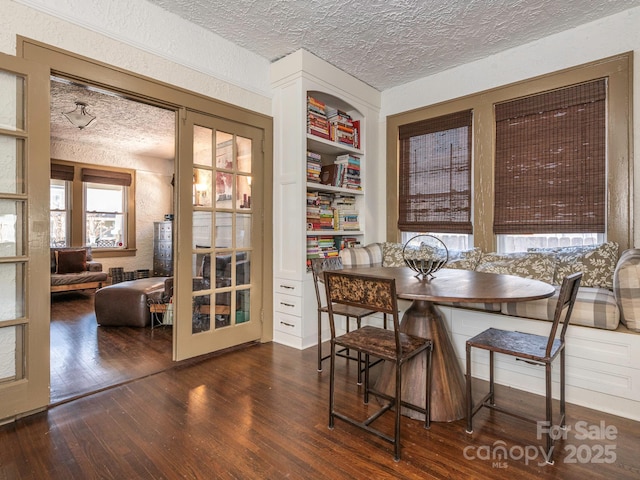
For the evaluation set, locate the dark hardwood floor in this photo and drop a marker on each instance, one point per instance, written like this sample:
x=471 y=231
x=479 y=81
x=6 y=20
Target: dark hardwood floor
x=261 y=413
x=86 y=358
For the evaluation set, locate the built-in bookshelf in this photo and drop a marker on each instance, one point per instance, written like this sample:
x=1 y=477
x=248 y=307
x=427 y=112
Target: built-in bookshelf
x=334 y=177
x=324 y=121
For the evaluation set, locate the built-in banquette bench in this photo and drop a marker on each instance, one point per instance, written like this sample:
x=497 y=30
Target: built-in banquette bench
x=603 y=339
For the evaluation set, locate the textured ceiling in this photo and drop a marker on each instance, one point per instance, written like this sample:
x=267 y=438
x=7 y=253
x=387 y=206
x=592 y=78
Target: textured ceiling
x=121 y=124
x=386 y=43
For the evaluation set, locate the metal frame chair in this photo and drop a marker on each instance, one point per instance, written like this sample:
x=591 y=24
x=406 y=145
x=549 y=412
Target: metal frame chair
x=377 y=294
x=534 y=349
x=318 y=266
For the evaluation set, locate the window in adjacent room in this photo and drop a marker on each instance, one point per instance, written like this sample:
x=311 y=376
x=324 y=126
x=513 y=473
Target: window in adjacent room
x=105 y=207
x=59 y=213
x=435 y=178
x=60 y=204
x=107 y=199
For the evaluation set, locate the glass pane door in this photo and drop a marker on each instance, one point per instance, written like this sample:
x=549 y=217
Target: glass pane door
x=224 y=232
x=24 y=317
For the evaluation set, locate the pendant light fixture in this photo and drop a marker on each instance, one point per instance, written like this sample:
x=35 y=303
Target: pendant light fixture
x=80 y=117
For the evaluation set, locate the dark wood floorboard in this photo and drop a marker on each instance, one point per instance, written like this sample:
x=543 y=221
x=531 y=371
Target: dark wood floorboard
x=86 y=357
x=261 y=413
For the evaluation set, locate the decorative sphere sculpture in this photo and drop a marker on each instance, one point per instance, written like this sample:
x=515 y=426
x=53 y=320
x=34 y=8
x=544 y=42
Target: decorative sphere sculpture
x=425 y=255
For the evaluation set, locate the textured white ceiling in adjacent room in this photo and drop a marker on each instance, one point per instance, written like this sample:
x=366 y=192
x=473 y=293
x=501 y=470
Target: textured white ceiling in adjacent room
x=386 y=43
x=121 y=124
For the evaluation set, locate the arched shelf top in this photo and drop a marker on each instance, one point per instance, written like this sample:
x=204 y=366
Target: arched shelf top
x=336 y=102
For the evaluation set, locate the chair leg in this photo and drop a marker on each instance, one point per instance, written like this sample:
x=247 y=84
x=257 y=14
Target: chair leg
x=549 y=413
x=332 y=372
x=398 y=405
x=563 y=423
x=319 y=341
x=366 y=378
x=427 y=403
x=347 y=329
x=492 y=384
x=359 y=355
x=469 y=393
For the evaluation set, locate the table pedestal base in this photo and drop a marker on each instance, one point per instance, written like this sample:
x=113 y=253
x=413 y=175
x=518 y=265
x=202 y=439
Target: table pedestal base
x=447 y=384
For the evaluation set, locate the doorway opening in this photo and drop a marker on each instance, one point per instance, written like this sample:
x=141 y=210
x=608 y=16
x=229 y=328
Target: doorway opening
x=126 y=134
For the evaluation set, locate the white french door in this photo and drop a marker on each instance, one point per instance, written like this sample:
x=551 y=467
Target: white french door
x=219 y=235
x=24 y=237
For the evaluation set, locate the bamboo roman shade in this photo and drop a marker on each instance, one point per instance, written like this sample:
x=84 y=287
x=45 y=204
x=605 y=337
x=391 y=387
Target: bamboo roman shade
x=108 y=177
x=435 y=175
x=60 y=171
x=550 y=172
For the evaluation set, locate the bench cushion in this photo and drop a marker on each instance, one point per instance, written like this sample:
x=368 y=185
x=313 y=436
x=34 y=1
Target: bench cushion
x=594 y=307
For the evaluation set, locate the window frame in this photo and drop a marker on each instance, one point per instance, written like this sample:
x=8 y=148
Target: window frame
x=619 y=145
x=65 y=184
x=77 y=215
x=123 y=193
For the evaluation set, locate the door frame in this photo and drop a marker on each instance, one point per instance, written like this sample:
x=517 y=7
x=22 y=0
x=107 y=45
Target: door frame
x=155 y=92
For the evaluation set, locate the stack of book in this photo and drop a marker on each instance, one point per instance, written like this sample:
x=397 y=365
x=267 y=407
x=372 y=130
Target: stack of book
x=317 y=122
x=342 y=127
x=319 y=211
x=327 y=246
x=344 y=202
x=344 y=212
x=350 y=175
x=314 y=167
x=320 y=246
x=347 y=220
x=313 y=250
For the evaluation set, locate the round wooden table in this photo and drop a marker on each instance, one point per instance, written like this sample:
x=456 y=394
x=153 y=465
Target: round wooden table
x=422 y=318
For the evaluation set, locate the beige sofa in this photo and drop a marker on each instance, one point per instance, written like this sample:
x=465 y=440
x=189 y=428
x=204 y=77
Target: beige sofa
x=603 y=339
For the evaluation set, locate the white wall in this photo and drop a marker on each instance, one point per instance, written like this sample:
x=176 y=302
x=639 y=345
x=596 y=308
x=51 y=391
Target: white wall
x=142 y=38
x=603 y=38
